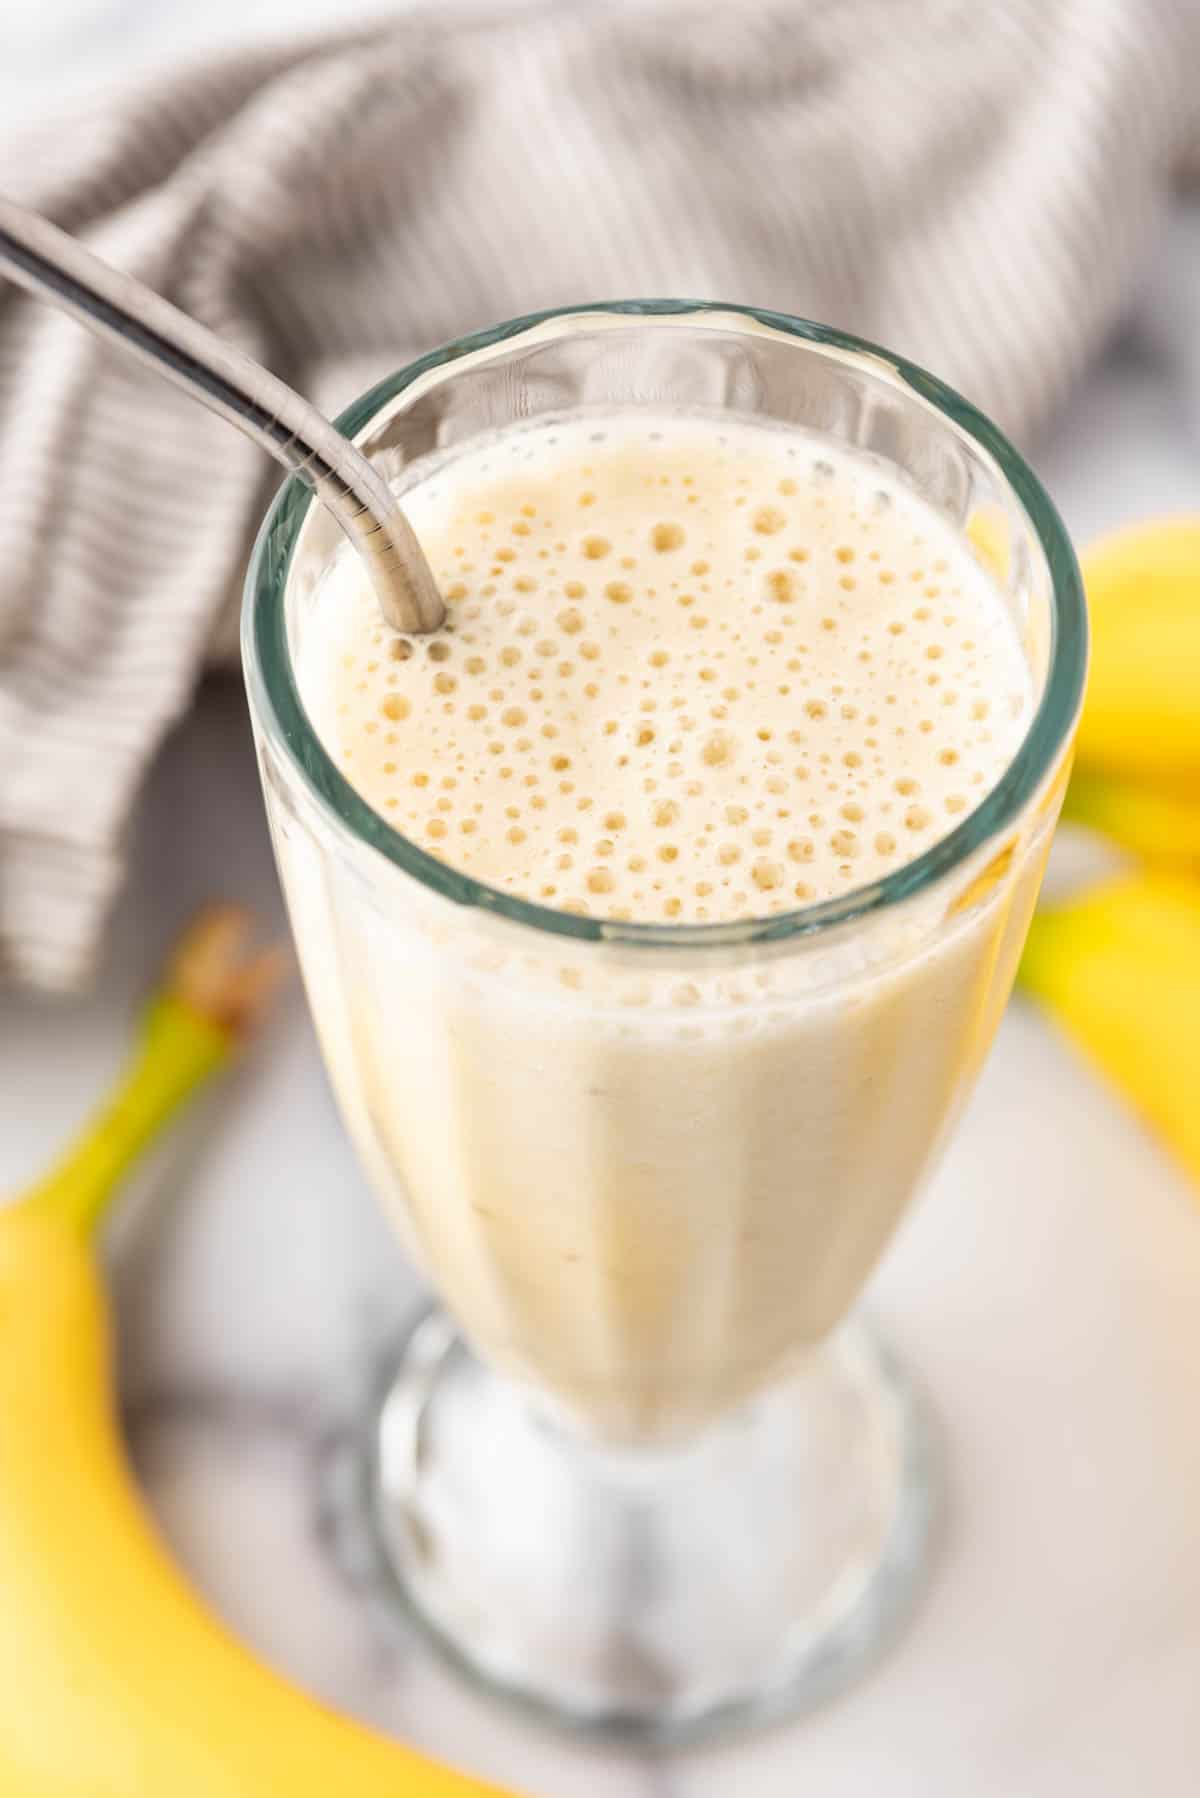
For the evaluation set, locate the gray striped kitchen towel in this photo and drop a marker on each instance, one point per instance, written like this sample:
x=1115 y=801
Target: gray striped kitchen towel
x=974 y=184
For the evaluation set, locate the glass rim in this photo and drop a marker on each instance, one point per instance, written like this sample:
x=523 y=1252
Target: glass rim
x=283 y=717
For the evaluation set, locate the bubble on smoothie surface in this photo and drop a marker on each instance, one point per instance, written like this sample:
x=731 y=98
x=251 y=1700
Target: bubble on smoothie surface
x=690 y=673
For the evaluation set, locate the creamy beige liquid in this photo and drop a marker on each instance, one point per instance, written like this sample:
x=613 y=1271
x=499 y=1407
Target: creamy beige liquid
x=693 y=673
x=687 y=678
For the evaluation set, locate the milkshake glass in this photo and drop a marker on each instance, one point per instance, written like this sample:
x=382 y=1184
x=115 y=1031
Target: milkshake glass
x=648 y=1471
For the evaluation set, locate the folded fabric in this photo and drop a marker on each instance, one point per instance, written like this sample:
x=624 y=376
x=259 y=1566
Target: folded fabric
x=976 y=186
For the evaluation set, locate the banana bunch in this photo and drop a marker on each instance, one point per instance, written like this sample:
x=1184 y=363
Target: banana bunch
x=115 y=1682
x=1120 y=966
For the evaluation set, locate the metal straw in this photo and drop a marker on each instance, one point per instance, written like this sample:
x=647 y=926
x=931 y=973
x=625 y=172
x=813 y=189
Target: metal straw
x=55 y=266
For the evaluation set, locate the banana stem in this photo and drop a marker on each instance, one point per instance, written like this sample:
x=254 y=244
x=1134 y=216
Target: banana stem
x=210 y=999
x=177 y=1051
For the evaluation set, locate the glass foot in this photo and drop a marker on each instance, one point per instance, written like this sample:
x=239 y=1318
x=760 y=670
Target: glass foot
x=658 y=1597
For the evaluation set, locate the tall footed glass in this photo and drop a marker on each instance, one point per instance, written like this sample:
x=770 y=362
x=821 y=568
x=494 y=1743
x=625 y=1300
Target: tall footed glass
x=647 y=1469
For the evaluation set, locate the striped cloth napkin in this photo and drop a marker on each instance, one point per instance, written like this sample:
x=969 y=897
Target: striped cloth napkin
x=977 y=186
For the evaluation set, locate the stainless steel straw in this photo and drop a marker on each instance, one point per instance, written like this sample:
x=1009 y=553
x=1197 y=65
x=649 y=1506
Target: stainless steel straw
x=57 y=267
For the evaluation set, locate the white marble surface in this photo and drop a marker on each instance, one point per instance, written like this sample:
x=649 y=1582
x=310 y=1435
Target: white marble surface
x=1047 y=1289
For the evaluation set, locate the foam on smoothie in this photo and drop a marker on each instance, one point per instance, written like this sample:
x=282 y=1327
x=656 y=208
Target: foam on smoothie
x=689 y=673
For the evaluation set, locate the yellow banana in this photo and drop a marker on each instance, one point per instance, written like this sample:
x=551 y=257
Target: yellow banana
x=1160 y=824
x=1141 y=717
x=115 y=1682
x=1120 y=970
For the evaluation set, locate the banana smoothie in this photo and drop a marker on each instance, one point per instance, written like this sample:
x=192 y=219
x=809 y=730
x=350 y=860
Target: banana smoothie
x=694 y=673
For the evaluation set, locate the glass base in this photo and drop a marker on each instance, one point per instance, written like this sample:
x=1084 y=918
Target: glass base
x=654 y=1596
